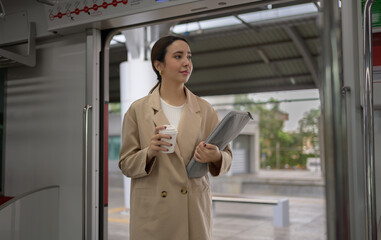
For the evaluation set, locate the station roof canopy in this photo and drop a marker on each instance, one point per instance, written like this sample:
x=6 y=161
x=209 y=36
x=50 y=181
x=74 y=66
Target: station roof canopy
x=275 y=48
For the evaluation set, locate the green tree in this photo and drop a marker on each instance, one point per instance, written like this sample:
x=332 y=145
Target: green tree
x=309 y=129
x=114 y=107
x=308 y=125
x=278 y=148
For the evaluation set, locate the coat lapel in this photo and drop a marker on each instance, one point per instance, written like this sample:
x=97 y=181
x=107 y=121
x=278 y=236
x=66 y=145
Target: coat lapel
x=189 y=125
x=159 y=117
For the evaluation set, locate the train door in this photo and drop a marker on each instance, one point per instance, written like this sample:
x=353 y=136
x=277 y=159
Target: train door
x=111 y=73
x=52 y=131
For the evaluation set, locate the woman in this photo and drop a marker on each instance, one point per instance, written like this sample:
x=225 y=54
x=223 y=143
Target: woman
x=165 y=203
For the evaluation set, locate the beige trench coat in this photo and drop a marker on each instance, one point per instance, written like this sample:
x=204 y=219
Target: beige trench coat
x=165 y=203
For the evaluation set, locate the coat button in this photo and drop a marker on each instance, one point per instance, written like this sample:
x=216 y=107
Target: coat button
x=163 y=194
x=184 y=190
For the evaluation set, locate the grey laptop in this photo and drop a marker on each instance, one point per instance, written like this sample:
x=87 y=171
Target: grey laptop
x=226 y=130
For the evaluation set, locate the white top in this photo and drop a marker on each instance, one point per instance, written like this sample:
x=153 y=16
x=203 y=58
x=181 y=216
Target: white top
x=173 y=113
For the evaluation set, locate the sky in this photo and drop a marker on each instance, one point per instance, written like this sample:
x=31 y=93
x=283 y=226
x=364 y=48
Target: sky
x=294 y=109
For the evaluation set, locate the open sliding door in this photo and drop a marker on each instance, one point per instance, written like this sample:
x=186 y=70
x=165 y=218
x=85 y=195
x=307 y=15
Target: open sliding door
x=52 y=136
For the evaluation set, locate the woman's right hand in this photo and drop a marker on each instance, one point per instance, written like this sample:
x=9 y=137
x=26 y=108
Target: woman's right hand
x=156 y=144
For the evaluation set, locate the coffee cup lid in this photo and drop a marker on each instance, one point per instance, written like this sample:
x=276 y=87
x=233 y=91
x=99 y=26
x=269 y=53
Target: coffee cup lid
x=170 y=129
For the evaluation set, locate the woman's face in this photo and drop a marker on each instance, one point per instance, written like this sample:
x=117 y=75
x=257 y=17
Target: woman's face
x=177 y=66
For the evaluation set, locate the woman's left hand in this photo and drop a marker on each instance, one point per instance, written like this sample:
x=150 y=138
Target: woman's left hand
x=205 y=153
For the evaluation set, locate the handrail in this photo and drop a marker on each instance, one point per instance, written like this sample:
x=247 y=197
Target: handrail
x=85 y=160
x=368 y=118
x=23 y=195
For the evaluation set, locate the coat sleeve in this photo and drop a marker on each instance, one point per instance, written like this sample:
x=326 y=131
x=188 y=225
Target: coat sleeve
x=226 y=154
x=132 y=159
x=225 y=165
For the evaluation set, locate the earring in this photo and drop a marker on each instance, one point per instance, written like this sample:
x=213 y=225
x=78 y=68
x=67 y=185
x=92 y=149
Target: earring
x=160 y=72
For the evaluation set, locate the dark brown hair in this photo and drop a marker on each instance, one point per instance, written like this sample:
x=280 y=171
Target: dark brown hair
x=158 y=52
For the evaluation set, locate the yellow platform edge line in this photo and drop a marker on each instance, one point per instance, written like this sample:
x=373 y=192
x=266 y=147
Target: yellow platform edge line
x=114 y=210
x=119 y=220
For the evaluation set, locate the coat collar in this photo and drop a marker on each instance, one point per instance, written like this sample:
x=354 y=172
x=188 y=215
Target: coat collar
x=189 y=125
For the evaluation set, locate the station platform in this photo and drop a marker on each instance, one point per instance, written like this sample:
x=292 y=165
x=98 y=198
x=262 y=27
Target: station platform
x=293 y=183
x=234 y=221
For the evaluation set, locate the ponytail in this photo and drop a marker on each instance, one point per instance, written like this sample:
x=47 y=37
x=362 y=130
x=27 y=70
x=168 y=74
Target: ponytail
x=157 y=84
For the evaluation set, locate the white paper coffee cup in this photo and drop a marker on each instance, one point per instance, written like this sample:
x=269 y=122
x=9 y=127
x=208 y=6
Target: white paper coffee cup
x=171 y=131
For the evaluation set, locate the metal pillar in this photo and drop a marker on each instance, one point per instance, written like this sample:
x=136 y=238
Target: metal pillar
x=334 y=125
